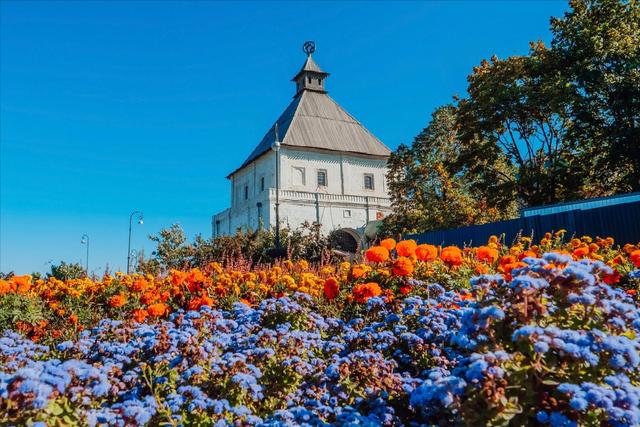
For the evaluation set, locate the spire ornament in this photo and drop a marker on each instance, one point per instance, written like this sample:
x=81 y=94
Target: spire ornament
x=309 y=47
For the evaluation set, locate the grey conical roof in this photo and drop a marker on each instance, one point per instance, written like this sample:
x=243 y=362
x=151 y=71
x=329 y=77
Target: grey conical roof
x=309 y=66
x=314 y=120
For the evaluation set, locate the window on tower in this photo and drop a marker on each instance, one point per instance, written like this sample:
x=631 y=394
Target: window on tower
x=322 y=178
x=262 y=183
x=368 y=181
x=246 y=192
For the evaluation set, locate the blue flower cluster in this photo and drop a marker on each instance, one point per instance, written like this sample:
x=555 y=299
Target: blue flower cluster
x=432 y=359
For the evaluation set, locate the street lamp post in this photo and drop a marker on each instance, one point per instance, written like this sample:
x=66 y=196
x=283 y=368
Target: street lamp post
x=85 y=241
x=140 y=221
x=276 y=147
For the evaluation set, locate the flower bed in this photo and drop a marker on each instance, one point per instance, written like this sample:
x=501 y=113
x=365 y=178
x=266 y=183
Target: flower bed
x=534 y=338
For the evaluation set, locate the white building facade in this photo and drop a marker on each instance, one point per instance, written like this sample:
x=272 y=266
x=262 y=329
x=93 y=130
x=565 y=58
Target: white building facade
x=331 y=169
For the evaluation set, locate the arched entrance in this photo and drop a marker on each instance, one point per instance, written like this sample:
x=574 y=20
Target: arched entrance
x=346 y=240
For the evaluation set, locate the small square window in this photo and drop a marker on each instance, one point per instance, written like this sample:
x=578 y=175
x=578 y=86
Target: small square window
x=322 y=178
x=368 y=181
x=262 y=183
x=346 y=213
x=246 y=192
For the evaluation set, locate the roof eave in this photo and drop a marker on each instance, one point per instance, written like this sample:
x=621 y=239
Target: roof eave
x=317 y=73
x=302 y=148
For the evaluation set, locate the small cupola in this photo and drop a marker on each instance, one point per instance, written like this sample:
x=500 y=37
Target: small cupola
x=310 y=76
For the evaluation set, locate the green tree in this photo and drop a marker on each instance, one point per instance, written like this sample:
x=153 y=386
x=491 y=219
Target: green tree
x=567 y=116
x=67 y=271
x=517 y=107
x=431 y=188
x=596 y=49
x=560 y=123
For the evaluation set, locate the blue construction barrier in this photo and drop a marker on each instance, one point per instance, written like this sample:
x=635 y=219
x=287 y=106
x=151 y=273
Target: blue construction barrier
x=620 y=221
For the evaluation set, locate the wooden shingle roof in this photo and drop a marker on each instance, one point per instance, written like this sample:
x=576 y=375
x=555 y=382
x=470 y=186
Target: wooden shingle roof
x=314 y=120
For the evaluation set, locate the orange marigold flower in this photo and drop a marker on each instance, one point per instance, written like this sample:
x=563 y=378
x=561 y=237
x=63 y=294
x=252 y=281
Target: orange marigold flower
x=426 y=252
x=158 y=309
x=331 y=288
x=22 y=283
x=527 y=254
x=402 y=266
x=508 y=259
x=581 y=252
x=73 y=319
x=388 y=243
x=358 y=272
x=377 y=254
x=481 y=269
x=117 y=300
x=198 y=302
x=139 y=285
x=177 y=277
x=487 y=254
x=149 y=297
x=139 y=315
x=406 y=248
x=5 y=287
x=452 y=255
x=635 y=258
x=363 y=291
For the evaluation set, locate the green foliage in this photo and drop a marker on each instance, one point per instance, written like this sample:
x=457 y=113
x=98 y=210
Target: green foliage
x=430 y=189
x=561 y=123
x=64 y=271
x=16 y=307
x=173 y=251
x=596 y=51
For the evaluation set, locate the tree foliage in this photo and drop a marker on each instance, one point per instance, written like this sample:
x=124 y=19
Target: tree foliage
x=596 y=48
x=429 y=189
x=67 y=271
x=560 y=123
x=174 y=251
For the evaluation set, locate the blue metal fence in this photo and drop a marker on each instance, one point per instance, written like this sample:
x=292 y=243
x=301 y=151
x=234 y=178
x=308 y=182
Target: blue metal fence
x=620 y=221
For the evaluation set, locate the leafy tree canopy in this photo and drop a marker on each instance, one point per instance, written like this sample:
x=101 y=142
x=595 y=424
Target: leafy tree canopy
x=559 y=124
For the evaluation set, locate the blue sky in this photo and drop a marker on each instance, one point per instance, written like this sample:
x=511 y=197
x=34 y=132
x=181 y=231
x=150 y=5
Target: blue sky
x=109 y=107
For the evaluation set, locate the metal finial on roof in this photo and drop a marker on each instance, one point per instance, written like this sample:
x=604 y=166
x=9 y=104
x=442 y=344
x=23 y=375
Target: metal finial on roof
x=275 y=131
x=309 y=47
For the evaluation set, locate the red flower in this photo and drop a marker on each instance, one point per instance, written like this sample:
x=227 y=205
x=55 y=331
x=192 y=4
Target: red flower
x=581 y=252
x=331 y=288
x=363 y=291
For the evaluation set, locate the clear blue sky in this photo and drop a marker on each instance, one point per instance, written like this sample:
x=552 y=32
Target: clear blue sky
x=115 y=106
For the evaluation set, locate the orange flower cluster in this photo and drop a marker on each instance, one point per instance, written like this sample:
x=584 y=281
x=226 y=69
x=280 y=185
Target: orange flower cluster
x=386 y=270
x=363 y=291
